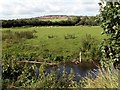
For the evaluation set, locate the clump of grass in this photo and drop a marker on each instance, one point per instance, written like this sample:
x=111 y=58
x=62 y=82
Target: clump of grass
x=51 y=36
x=18 y=35
x=24 y=34
x=105 y=79
x=7 y=34
x=70 y=36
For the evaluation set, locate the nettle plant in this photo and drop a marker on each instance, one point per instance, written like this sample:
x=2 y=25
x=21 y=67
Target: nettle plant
x=109 y=19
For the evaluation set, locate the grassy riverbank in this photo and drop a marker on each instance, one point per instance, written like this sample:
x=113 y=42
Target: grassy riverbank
x=50 y=44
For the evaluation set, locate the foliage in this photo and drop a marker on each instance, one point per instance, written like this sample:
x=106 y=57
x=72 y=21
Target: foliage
x=110 y=21
x=90 y=21
x=71 y=21
x=28 y=79
x=17 y=75
x=90 y=49
x=71 y=79
x=53 y=80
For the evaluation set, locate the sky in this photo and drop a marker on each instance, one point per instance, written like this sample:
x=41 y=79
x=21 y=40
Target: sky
x=13 y=9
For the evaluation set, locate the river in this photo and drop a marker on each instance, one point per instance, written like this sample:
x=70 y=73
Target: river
x=80 y=70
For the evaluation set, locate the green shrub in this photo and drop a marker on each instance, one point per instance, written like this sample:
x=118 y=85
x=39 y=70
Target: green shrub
x=90 y=49
x=109 y=19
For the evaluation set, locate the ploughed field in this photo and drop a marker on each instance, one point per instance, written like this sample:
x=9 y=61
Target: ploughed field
x=49 y=43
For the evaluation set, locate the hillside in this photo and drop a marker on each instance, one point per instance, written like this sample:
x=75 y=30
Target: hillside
x=54 y=17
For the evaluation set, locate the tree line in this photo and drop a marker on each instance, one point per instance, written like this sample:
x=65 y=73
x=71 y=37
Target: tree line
x=76 y=20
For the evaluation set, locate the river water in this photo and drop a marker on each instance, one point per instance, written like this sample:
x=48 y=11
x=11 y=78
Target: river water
x=80 y=70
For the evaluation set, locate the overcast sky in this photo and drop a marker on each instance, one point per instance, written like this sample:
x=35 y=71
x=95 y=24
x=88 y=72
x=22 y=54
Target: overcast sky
x=11 y=9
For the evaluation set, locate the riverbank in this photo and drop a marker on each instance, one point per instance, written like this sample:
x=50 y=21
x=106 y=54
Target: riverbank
x=85 y=64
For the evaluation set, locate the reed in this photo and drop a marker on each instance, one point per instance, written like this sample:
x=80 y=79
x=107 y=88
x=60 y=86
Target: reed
x=105 y=79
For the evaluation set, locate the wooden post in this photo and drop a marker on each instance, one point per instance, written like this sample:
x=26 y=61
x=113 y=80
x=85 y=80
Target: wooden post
x=80 y=57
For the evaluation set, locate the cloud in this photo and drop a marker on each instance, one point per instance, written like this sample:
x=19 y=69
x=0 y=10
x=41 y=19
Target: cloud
x=33 y=8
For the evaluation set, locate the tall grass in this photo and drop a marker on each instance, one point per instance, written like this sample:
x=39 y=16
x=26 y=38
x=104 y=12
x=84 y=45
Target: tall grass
x=8 y=34
x=109 y=79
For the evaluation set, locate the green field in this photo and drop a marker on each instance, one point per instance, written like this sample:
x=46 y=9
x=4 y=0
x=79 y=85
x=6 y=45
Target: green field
x=54 y=41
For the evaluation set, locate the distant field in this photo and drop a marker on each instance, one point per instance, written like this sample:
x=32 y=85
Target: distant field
x=54 y=41
x=53 y=20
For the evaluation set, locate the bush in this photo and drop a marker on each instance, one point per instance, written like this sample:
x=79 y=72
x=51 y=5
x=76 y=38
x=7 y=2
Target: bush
x=109 y=19
x=90 y=49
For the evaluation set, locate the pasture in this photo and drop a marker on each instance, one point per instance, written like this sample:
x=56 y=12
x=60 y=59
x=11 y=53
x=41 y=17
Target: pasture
x=52 y=42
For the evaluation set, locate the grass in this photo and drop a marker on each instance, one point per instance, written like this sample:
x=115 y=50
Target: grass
x=108 y=80
x=52 y=40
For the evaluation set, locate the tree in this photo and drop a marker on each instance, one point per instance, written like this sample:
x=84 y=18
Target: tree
x=110 y=22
